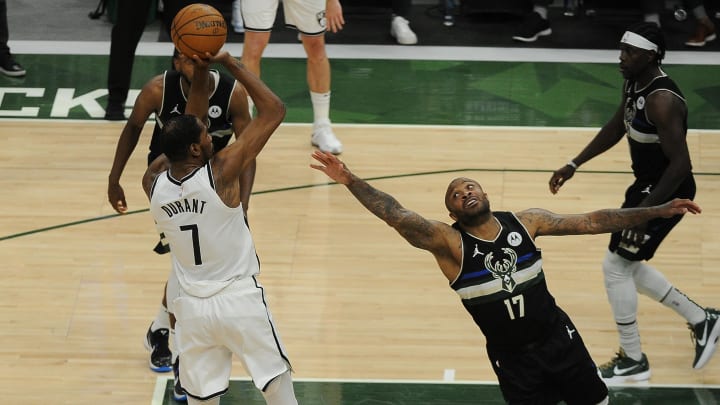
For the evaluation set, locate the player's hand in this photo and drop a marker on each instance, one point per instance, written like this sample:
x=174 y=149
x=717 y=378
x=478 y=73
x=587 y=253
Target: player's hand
x=559 y=177
x=332 y=167
x=116 y=196
x=679 y=206
x=202 y=62
x=334 y=16
x=222 y=57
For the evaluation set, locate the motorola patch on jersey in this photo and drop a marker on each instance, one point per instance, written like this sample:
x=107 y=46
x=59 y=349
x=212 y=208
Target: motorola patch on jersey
x=640 y=103
x=514 y=239
x=214 y=111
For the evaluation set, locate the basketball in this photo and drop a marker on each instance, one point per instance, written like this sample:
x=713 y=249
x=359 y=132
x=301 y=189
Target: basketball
x=198 y=28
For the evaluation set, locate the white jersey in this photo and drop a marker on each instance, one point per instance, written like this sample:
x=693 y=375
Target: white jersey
x=210 y=243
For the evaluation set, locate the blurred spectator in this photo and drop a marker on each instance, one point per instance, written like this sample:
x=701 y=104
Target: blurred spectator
x=705 y=29
x=237 y=22
x=8 y=65
x=129 y=25
x=535 y=24
x=259 y=18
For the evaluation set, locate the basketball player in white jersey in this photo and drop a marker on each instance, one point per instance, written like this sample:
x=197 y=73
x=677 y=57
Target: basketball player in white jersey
x=195 y=200
x=311 y=18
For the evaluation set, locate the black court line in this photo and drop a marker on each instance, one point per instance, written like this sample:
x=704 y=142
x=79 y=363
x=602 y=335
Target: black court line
x=277 y=190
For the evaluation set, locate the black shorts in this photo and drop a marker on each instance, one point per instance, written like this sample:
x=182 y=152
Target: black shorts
x=559 y=369
x=658 y=228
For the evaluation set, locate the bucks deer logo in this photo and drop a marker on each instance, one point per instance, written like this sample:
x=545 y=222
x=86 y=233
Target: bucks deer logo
x=503 y=268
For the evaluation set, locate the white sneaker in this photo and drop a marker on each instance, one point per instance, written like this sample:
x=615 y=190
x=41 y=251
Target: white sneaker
x=325 y=140
x=400 y=30
x=237 y=21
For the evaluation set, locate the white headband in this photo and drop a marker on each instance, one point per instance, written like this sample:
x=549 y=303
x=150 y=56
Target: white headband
x=638 y=41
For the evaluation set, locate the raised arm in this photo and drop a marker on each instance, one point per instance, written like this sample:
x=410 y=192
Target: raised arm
x=147 y=101
x=240 y=117
x=229 y=163
x=542 y=222
x=434 y=236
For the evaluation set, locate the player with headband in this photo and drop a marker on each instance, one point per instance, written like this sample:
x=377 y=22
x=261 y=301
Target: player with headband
x=653 y=114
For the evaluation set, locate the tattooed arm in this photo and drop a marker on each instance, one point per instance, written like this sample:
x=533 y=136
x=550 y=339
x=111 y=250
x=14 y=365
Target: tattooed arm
x=542 y=222
x=435 y=236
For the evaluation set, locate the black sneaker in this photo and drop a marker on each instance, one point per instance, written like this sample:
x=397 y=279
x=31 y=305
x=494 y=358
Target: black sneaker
x=623 y=369
x=11 y=68
x=160 y=355
x=179 y=394
x=533 y=26
x=705 y=335
x=115 y=112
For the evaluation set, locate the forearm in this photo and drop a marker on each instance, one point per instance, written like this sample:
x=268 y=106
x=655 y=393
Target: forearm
x=606 y=138
x=614 y=220
x=382 y=205
x=125 y=147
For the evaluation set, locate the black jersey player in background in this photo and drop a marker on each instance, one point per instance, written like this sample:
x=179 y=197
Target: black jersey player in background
x=653 y=114
x=165 y=95
x=491 y=261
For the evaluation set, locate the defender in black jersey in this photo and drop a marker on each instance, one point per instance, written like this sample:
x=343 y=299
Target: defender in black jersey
x=653 y=114
x=166 y=96
x=491 y=261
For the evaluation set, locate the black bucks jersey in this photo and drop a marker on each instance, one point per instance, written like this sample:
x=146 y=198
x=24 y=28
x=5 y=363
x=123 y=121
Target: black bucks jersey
x=502 y=285
x=175 y=100
x=648 y=159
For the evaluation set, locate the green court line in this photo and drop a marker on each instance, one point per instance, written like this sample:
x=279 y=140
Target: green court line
x=291 y=188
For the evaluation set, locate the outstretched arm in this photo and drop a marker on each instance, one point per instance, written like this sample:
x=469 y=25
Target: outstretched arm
x=433 y=236
x=542 y=222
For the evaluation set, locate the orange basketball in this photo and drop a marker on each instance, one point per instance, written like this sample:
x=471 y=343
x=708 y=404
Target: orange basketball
x=198 y=28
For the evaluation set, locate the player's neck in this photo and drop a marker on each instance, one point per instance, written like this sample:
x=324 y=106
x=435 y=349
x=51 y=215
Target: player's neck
x=485 y=227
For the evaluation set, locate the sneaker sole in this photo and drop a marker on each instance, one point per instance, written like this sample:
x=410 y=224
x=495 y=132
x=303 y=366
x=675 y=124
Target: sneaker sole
x=12 y=73
x=644 y=376
x=542 y=33
x=703 y=43
x=710 y=347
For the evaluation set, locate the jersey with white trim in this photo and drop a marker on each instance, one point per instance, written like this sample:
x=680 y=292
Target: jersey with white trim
x=210 y=243
x=648 y=159
x=174 y=102
x=502 y=285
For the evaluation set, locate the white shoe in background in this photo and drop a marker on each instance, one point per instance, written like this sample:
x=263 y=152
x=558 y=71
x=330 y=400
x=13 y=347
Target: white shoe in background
x=325 y=140
x=400 y=30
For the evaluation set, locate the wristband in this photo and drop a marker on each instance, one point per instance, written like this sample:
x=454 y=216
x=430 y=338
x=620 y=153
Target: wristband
x=572 y=164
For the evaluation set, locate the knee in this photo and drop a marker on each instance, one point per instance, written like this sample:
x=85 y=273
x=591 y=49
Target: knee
x=616 y=268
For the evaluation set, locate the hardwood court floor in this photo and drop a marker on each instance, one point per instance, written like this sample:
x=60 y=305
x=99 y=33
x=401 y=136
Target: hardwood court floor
x=351 y=298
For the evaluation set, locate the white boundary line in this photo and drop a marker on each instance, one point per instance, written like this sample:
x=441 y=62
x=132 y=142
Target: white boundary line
x=345 y=125
x=385 y=52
